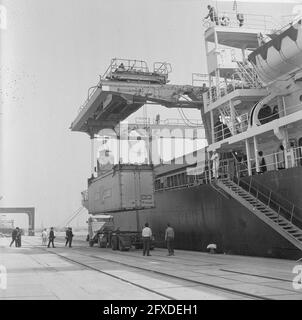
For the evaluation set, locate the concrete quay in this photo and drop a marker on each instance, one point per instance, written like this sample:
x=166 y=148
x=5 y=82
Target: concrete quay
x=35 y=272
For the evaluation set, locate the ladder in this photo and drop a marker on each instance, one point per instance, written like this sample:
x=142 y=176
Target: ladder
x=248 y=75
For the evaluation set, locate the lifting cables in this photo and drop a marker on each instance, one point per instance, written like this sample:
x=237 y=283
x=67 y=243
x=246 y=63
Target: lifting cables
x=73 y=216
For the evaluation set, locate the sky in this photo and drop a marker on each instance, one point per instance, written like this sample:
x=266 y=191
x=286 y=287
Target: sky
x=51 y=52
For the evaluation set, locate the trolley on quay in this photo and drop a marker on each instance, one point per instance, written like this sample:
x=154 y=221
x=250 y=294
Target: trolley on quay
x=101 y=231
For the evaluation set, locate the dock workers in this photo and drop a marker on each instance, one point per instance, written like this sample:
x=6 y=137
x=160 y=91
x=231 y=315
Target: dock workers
x=51 y=237
x=147 y=236
x=16 y=237
x=169 y=237
x=212 y=15
x=44 y=237
x=68 y=237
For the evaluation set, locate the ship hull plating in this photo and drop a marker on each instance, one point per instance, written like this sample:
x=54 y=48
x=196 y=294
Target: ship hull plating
x=200 y=215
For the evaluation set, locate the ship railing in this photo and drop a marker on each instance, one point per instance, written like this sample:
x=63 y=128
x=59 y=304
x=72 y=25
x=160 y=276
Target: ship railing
x=91 y=92
x=168 y=122
x=220 y=89
x=297 y=156
x=192 y=181
x=276 y=161
x=288 y=110
x=237 y=80
x=201 y=173
x=163 y=68
x=118 y=65
x=204 y=173
x=289 y=19
x=223 y=131
x=225 y=87
x=143 y=120
x=200 y=80
x=180 y=122
x=211 y=95
x=273 y=162
x=196 y=182
x=263 y=23
x=198 y=175
x=286 y=22
x=125 y=65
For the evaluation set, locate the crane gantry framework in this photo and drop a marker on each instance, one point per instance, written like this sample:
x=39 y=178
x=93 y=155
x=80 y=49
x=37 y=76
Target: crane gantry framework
x=111 y=102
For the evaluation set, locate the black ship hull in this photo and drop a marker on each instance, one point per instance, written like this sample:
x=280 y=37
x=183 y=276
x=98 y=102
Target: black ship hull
x=200 y=216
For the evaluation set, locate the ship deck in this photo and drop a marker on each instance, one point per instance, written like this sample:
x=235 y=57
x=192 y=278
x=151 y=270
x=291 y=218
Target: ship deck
x=35 y=272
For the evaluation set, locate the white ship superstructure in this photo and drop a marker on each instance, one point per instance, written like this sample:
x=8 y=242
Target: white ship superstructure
x=254 y=109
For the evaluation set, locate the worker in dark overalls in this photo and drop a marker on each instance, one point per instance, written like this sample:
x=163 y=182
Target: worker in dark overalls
x=51 y=237
x=212 y=15
x=14 y=237
x=18 y=238
x=240 y=18
x=69 y=236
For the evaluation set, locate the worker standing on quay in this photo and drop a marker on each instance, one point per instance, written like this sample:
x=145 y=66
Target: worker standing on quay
x=14 y=237
x=169 y=237
x=147 y=235
x=69 y=236
x=51 y=237
x=18 y=238
x=44 y=237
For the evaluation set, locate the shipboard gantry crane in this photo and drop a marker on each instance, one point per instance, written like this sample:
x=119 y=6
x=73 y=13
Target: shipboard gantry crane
x=125 y=87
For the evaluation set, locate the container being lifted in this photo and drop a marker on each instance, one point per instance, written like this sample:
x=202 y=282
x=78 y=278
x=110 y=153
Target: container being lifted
x=124 y=188
x=137 y=71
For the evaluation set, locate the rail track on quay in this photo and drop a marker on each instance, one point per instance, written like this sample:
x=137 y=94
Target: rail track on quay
x=81 y=256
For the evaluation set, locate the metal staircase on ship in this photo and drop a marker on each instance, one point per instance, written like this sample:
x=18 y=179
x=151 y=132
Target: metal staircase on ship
x=278 y=213
x=248 y=75
x=247 y=78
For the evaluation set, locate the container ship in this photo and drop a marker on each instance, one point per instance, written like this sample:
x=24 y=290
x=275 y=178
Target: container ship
x=241 y=192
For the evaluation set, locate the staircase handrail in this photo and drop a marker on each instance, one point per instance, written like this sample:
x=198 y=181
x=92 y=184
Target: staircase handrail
x=270 y=196
x=248 y=71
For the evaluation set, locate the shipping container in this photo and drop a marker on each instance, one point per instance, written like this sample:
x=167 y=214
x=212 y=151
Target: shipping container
x=124 y=188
